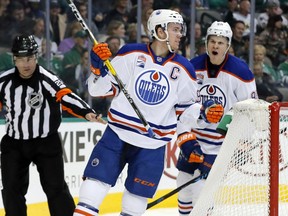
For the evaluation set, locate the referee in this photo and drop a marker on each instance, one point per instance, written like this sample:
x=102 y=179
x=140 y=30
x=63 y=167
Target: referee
x=34 y=99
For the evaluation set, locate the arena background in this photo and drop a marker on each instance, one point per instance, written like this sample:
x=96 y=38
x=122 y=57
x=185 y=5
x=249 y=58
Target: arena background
x=79 y=137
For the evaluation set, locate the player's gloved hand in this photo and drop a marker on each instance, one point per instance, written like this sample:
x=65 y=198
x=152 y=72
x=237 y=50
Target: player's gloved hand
x=102 y=51
x=190 y=148
x=211 y=111
x=98 y=54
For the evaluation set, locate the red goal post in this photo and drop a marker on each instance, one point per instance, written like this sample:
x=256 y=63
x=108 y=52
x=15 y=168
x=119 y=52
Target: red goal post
x=250 y=174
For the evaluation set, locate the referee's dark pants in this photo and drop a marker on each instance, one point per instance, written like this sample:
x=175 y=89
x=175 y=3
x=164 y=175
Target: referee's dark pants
x=46 y=154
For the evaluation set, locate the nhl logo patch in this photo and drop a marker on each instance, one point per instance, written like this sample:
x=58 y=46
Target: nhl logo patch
x=35 y=100
x=95 y=162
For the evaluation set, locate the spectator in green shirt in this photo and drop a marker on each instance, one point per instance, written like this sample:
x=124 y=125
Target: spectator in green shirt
x=72 y=57
x=6 y=61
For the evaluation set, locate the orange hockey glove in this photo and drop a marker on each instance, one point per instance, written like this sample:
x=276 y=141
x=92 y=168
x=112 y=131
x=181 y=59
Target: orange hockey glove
x=212 y=111
x=190 y=148
x=102 y=51
x=98 y=54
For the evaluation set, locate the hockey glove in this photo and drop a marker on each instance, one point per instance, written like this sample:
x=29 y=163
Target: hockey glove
x=190 y=148
x=211 y=111
x=98 y=54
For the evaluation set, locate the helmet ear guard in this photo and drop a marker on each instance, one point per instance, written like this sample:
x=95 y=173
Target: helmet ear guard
x=24 y=45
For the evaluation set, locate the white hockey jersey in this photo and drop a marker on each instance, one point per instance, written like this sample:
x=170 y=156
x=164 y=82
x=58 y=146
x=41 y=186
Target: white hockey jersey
x=233 y=82
x=160 y=87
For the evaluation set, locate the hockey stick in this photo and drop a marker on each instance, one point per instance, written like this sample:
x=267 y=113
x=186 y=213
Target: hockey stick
x=111 y=69
x=171 y=193
x=204 y=175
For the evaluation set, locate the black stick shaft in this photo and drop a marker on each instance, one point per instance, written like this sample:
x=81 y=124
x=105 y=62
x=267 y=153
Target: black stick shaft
x=171 y=193
x=111 y=69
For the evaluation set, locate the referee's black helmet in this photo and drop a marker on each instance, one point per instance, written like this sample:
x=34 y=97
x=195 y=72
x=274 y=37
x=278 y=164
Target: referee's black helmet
x=24 y=45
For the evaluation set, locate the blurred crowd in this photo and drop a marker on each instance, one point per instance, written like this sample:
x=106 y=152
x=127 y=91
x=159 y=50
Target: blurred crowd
x=115 y=22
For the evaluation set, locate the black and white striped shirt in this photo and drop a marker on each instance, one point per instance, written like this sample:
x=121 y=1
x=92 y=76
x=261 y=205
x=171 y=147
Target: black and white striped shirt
x=33 y=106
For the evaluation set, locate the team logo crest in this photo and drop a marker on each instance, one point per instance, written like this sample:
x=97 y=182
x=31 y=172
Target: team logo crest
x=152 y=87
x=214 y=92
x=35 y=100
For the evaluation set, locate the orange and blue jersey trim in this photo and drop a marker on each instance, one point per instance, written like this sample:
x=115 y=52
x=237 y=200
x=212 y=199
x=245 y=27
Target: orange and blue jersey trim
x=120 y=120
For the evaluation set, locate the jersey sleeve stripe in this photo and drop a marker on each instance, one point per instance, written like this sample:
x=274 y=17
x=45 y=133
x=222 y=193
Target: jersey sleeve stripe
x=208 y=135
x=131 y=122
x=70 y=111
x=61 y=93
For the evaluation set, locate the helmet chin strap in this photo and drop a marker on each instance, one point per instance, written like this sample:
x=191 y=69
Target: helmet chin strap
x=169 y=46
x=166 y=40
x=168 y=43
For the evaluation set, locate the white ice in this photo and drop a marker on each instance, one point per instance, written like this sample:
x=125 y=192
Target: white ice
x=155 y=212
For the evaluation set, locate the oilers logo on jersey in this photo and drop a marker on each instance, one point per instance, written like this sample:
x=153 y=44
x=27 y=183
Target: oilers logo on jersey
x=152 y=87
x=209 y=91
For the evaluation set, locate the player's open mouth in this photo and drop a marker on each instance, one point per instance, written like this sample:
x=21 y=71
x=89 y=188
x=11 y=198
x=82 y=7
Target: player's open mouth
x=214 y=52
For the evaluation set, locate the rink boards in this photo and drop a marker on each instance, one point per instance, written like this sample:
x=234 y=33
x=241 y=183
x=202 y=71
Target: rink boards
x=78 y=138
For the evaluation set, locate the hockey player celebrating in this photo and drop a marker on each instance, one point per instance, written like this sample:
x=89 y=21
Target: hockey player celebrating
x=162 y=84
x=227 y=80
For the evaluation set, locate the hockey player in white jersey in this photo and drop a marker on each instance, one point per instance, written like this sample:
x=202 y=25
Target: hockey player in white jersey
x=225 y=79
x=162 y=85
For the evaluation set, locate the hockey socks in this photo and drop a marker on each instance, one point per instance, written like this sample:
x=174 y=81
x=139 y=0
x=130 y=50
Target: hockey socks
x=83 y=209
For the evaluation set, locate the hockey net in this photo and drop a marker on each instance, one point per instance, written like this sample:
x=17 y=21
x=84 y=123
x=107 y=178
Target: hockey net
x=250 y=174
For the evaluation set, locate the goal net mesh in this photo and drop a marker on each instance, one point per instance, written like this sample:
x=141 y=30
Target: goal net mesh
x=239 y=181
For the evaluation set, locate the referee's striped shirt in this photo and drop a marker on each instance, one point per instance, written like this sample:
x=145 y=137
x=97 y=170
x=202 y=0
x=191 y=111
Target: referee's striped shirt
x=33 y=106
